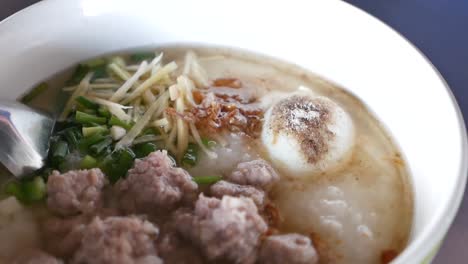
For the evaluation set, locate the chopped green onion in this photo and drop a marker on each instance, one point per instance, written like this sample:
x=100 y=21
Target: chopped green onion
x=87 y=103
x=59 y=152
x=35 y=189
x=14 y=188
x=78 y=75
x=97 y=66
x=85 y=118
x=114 y=121
x=102 y=111
x=89 y=131
x=209 y=143
x=99 y=71
x=116 y=165
x=144 y=149
x=100 y=146
x=206 y=179
x=190 y=157
x=30 y=190
x=93 y=139
x=72 y=136
x=126 y=156
x=34 y=93
x=88 y=162
x=137 y=57
x=106 y=152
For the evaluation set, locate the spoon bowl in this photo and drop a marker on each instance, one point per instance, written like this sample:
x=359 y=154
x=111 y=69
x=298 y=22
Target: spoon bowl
x=24 y=138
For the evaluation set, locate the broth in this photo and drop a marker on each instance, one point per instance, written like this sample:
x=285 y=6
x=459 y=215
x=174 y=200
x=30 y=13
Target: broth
x=358 y=212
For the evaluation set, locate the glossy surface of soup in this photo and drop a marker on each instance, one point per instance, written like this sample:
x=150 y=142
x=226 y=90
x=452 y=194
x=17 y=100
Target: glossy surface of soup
x=348 y=191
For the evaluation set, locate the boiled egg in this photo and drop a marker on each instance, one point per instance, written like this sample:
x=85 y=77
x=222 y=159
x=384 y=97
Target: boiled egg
x=305 y=134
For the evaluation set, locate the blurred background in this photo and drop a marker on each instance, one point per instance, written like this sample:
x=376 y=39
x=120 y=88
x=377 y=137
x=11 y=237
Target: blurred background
x=439 y=29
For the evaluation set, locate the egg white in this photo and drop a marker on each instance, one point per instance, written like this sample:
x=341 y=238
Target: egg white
x=284 y=148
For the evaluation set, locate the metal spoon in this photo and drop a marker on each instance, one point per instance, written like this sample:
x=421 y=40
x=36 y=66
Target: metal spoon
x=24 y=138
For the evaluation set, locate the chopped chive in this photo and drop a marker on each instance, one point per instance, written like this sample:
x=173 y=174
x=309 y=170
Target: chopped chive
x=88 y=162
x=87 y=103
x=85 y=118
x=89 y=131
x=80 y=72
x=114 y=121
x=34 y=93
x=101 y=145
x=206 y=179
x=102 y=111
x=35 y=189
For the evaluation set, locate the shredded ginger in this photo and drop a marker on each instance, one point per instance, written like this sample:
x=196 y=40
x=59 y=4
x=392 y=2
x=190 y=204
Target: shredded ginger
x=140 y=94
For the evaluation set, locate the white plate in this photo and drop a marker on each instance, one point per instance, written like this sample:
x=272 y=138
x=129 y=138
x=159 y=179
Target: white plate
x=330 y=38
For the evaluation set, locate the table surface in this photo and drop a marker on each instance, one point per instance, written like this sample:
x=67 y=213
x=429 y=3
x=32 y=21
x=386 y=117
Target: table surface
x=438 y=29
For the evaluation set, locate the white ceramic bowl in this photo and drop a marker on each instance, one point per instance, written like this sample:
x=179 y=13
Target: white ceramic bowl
x=330 y=38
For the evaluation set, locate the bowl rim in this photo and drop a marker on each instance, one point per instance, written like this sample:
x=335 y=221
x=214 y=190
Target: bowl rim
x=462 y=178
